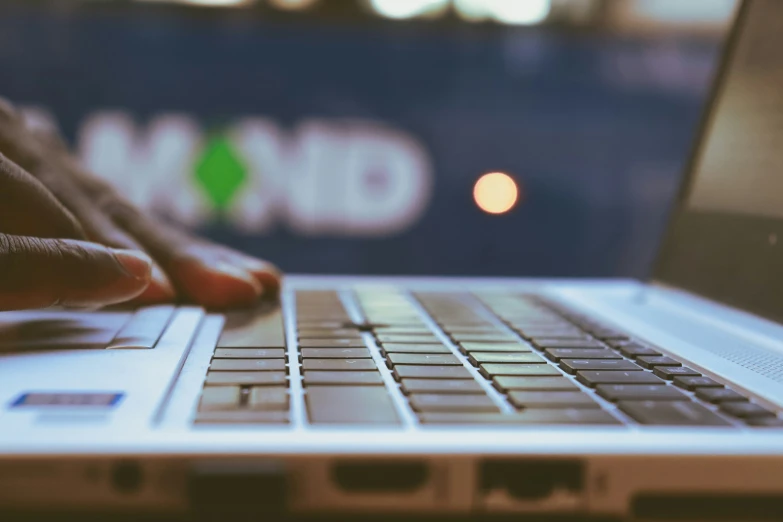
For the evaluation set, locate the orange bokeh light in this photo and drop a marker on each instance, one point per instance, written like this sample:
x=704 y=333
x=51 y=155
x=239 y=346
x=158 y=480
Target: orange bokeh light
x=496 y=193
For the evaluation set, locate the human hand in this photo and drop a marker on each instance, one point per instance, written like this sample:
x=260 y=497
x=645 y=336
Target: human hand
x=56 y=221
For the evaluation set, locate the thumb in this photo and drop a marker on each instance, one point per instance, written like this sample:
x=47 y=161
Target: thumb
x=38 y=273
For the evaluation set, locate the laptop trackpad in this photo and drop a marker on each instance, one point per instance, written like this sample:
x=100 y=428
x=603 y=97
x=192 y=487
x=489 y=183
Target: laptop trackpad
x=22 y=332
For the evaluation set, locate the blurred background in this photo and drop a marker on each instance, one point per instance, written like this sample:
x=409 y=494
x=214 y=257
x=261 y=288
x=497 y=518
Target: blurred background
x=355 y=136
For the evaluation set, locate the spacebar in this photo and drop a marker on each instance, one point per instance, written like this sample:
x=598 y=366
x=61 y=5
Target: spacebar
x=351 y=405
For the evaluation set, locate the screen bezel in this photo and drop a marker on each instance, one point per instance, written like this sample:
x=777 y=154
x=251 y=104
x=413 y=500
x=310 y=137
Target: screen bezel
x=723 y=257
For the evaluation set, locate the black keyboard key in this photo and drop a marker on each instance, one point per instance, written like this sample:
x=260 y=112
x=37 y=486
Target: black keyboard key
x=407 y=339
x=594 y=378
x=388 y=348
x=323 y=333
x=551 y=399
x=745 y=410
x=484 y=338
x=651 y=361
x=424 y=359
x=331 y=343
x=477 y=358
x=431 y=402
x=496 y=347
x=576 y=365
x=268 y=398
x=339 y=364
x=543 y=344
x=244 y=416
x=350 y=405
x=336 y=353
x=573 y=416
x=765 y=422
x=670 y=372
x=505 y=383
x=341 y=378
x=245 y=378
x=490 y=370
x=640 y=392
x=556 y=354
x=249 y=353
x=718 y=395
x=219 y=398
x=634 y=350
x=253 y=328
x=402 y=371
x=247 y=365
x=693 y=383
x=441 y=386
x=671 y=413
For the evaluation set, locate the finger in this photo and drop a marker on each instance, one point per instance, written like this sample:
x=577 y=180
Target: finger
x=100 y=228
x=265 y=272
x=28 y=208
x=200 y=271
x=38 y=273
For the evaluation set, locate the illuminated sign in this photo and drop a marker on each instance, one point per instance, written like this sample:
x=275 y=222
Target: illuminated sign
x=326 y=178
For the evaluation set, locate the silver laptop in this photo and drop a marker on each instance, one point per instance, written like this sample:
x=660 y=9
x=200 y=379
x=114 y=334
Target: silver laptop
x=656 y=400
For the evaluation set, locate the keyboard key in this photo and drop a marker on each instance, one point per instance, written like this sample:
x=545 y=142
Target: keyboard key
x=407 y=339
x=490 y=370
x=543 y=344
x=765 y=422
x=484 y=338
x=249 y=353
x=431 y=402
x=441 y=386
x=312 y=377
x=718 y=395
x=593 y=378
x=670 y=372
x=692 y=383
x=745 y=410
x=640 y=392
x=218 y=398
x=651 y=361
x=551 y=399
x=246 y=378
x=242 y=417
x=350 y=405
x=331 y=343
x=336 y=353
x=414 y=348
x=635 y=350
x=403 y=371
x=461 y=329
x=499 y=357
x=253 y=328
x=496 y=347
x=575 y=365
x=328 y=334
x=424 y=359
x=247 y=365
x=339 y=364
x=504 y=383
x=671 y=413
x=268 y=398
x=557 y=354
x=583 y=416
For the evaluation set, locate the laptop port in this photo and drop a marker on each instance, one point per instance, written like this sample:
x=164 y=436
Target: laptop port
x=238 y=488
x=379 y=476
x=506 y=484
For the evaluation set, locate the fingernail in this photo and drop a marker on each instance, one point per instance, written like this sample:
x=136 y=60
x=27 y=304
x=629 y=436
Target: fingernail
x=162 y=281
x=136 y=264
x=237 y=273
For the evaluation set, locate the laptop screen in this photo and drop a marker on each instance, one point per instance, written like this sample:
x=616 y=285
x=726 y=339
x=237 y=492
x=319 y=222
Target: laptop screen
x=726 y=241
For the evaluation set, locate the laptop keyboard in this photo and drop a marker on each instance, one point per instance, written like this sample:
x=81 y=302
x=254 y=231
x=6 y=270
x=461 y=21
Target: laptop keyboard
x=437 y=359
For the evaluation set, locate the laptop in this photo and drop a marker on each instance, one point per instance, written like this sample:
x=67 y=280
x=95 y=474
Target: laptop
x=613 y=398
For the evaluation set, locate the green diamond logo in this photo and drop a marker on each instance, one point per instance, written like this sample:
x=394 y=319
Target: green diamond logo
x=220 y=172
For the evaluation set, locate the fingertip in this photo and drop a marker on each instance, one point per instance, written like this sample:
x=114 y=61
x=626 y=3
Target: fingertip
x=134 y=263
x=160 y=289
x=265 y=273
x=218 y=285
